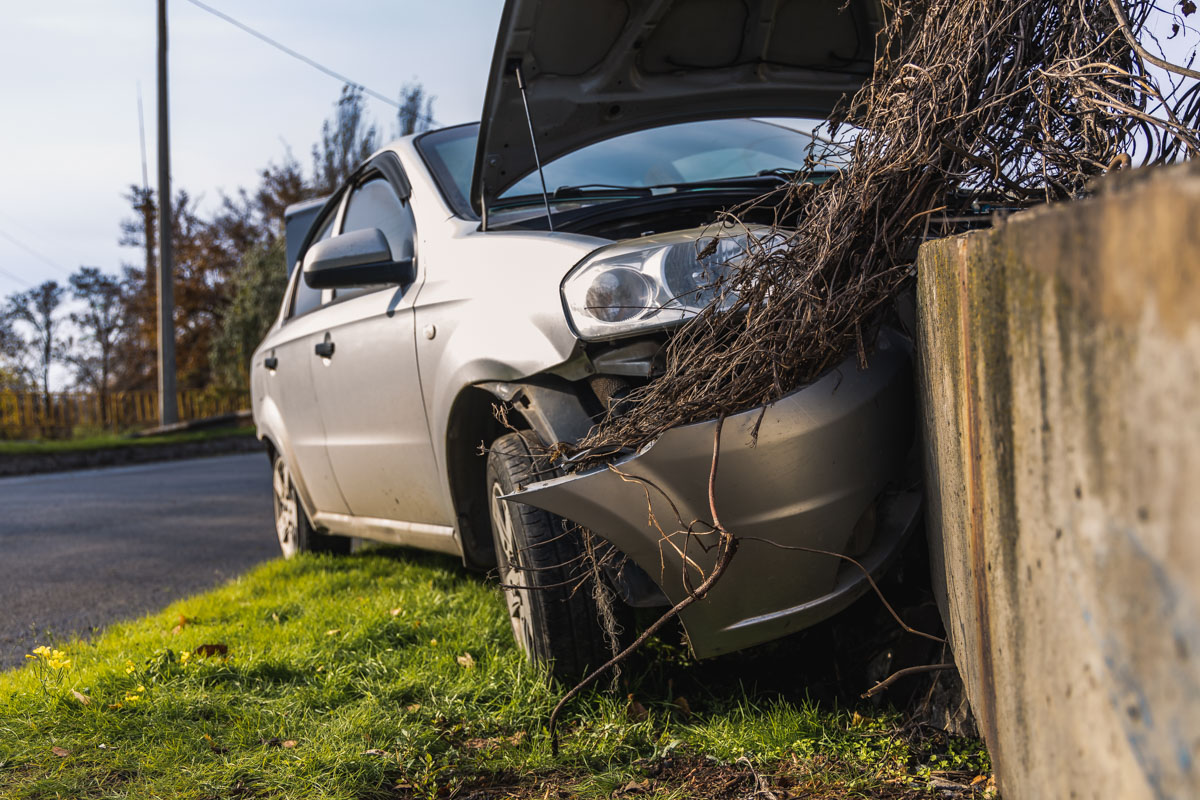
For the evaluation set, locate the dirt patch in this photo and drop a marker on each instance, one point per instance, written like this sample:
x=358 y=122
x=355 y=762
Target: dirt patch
x=696 y=777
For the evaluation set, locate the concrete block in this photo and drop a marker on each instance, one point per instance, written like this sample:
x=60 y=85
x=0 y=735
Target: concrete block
x=1060 y=380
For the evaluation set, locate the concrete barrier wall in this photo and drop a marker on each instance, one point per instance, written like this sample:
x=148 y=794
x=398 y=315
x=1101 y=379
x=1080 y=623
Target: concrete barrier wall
x=1060 y=372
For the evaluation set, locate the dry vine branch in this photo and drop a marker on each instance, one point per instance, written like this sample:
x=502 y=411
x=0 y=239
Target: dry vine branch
x=904 y=673
x=1001 y=102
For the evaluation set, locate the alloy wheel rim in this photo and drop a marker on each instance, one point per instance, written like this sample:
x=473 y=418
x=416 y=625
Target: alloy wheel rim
x=514 y=579
x=286 y=513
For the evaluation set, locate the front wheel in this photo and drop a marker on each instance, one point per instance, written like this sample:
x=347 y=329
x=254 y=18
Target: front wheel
x=292 y=527
x=546 y=580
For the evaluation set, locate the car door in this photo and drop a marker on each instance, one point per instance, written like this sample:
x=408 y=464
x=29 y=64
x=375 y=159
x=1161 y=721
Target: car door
x=289 y=383
x=368 y=389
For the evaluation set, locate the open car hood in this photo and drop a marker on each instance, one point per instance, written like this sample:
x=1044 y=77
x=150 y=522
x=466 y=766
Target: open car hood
x=595 y=69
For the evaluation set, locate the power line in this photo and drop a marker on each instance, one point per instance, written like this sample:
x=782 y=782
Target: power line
x=278 y=46
x=15 y=279
x=34 y=253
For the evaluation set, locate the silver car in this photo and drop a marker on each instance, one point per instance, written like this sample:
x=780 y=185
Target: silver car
x=451 y=276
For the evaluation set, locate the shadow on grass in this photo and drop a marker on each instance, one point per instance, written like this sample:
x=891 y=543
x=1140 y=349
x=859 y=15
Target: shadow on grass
x=830 y=664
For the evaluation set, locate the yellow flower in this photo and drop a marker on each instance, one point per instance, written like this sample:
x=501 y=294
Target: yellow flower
x=141 y=688
x=433 y=641
x=42 y=651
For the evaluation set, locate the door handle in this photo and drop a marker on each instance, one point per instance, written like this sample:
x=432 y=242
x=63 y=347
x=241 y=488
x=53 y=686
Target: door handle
x=270 y=362
x=324 y=349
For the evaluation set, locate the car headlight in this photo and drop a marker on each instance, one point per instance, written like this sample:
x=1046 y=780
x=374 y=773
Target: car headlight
x=653 y=282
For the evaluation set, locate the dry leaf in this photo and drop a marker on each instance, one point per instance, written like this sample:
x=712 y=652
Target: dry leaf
x=517 y=738
x=333 y=632
x=637 y=711
x=376 y=753
x=479 y=744
x=206 y=650
x=681 y=703
x=289 y=744
x=466 y=661
x=60 y=752
x=183 y=621
x=978 y=779
x=415 y=707
x=81 y=697
x=395 y=612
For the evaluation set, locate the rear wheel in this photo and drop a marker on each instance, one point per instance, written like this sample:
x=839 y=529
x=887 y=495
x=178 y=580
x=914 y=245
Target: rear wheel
x=292 y=527
x=539 y=557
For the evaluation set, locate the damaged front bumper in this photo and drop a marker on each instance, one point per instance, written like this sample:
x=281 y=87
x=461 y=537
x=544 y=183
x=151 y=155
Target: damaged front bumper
x=827 y=472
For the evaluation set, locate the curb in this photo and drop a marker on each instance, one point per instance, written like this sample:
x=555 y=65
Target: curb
x=33 y=463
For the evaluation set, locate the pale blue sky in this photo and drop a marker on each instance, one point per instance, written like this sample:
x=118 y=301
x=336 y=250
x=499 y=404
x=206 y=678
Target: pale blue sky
x=68 y=100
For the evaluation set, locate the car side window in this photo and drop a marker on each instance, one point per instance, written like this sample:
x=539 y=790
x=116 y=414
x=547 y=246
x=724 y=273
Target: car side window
x=375 y=204
x=306 y=298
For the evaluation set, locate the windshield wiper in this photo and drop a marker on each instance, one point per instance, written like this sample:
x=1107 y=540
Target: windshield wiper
x=606 y=191
x=603 y=189
x=600 y=190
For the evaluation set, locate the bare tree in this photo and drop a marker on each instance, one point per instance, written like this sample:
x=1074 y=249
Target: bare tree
x=347 y=139
x=13 y=374
x=35 y=309
x=416 y=110
x=100 y=323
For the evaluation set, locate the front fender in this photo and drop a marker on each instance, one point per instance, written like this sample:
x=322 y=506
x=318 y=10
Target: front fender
x=493 y=313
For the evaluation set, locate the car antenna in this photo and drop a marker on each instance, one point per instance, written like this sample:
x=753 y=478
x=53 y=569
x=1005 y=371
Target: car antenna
x=533 y=140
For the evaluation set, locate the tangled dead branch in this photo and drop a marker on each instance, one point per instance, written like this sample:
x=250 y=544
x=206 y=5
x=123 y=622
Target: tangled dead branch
x=1003 y=103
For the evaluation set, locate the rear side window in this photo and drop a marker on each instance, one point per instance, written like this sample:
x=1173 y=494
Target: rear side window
x=306 y=298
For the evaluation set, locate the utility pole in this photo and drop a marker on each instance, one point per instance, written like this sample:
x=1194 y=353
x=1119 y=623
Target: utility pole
x=168 y=409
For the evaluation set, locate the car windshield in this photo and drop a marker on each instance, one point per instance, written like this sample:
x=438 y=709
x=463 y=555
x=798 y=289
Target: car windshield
x=693 y=153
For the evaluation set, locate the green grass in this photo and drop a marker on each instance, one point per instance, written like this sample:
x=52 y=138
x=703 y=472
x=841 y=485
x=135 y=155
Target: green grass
x=361 y=662
x=108 y=441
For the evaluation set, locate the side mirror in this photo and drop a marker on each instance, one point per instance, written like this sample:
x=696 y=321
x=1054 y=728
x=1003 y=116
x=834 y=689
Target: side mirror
x=357 y=258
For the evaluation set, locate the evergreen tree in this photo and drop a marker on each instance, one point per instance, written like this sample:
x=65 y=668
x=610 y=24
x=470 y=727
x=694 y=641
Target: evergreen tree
x=258 y=287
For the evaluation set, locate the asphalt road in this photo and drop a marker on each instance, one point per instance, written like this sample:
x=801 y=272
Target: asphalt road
x=81 y=549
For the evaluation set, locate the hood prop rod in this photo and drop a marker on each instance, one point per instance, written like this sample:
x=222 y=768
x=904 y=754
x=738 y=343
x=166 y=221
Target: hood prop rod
x=537 y=159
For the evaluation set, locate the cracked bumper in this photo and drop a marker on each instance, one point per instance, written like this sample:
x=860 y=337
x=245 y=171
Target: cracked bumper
x=824 y=474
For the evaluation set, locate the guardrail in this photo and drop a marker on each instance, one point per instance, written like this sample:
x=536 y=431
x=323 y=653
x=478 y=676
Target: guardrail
x=26 y=415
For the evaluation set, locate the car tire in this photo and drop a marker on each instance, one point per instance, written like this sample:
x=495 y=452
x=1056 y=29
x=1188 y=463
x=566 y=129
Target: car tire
x=538 y=555
x=293 y=529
